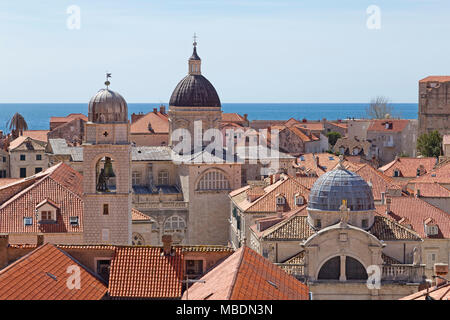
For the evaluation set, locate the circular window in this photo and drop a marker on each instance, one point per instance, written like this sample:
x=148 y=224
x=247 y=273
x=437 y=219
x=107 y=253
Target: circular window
x=137 y=239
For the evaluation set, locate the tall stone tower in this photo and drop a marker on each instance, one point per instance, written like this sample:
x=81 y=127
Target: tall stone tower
x=194 y=99
x=106 y=170
x=434 y=104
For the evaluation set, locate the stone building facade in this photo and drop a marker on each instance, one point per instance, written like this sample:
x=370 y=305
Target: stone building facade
x=434 y=104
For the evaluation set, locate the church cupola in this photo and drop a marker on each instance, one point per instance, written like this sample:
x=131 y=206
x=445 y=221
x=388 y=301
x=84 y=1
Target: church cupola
x=195 y=61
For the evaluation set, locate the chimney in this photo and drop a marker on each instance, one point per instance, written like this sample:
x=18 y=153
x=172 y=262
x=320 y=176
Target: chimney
x=167 y=244
x=40 y=239
x=388 y=205
x=155 y=110
x=383 y=198
x=4 y=242
x=441 y=272
x=418 y=193
x=162 y=109
x=245 y=117
x=316 y=158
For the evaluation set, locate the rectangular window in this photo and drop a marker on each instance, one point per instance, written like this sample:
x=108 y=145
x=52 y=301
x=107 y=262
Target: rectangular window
x=163 y=177
x=39 y=157
x=103 y=267
x=431 y=259
x=1 y=174
x=37 y=170
x=22 y=157
x=23 y=172
x=105 y=209
x=28 y=221
x=364 y=223
x=73 y=221
x=194 y=267
x=46 y=216
x=4 y=159
x=136 y=178
x=105 y=234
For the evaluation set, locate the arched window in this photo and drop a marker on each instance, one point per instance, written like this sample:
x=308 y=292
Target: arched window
x=213 y=180
x=354 y=270
x=281 y=200
x=331 y=269
x=174 y=223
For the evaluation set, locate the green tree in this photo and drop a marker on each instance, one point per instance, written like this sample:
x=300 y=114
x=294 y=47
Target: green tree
x=333 y=136
x=430 y=144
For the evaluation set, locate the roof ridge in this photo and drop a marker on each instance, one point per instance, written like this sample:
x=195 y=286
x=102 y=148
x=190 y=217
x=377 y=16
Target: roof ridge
x=391 y=219
x=2 y=271
x=267 y=193
x=235 y=276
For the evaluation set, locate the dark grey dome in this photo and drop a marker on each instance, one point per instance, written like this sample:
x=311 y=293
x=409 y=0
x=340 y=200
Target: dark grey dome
x=107 y=106
x=194 y=90
x=339 y=184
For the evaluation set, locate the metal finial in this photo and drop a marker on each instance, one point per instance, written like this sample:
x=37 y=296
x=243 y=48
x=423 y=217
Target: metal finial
x=107 y=83
x=195 y=39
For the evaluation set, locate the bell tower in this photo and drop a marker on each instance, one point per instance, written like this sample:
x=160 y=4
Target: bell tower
x=106 y=170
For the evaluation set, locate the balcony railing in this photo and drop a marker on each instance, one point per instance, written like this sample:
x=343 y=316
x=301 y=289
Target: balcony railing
x=161 y=205
x=407 y=273
x=403 y=273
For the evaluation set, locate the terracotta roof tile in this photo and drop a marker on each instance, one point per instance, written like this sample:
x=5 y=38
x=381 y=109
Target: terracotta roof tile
x=386 y=228
x=145 y=272
x=136 y=215
x=159 y=123
x=436 y=293
x=436 y=79
x=440 y=174
x=246 y=275
x=417 y=211
x=59 y=184
x=40 y=135
x=43 y=275
x=408 y=166
x=232 y=117
x=433 y=190
x=396 y=125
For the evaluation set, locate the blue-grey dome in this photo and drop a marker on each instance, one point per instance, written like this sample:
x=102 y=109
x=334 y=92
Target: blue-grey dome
x=339 y=184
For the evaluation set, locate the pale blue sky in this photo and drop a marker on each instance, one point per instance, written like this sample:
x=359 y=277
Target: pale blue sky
x=252 y=51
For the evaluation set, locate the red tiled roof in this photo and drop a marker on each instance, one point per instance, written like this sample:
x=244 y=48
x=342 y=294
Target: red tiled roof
x=43 y=275
x=436 y=79
x=232 y=117
x=6 y=181
x=408 y=166
x=436 y=293
x=62 y=186
x=246 y=275
x=440 y=174
x=136 y=215
x=380 y=182
x=417 y=211
x=287 y=186
x=398 y=125
x=145 y=272
x=432 y=190
x=70 y=117
x=40 y=135
x=159 y=123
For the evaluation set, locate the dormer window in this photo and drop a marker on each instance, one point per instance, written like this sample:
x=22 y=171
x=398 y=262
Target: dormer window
x=281 y=200
x=396 y=173
x=46 y=217
x=431 y=228
x=299 y=200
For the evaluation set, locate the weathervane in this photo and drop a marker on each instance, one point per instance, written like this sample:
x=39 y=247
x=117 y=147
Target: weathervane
x=107 y=83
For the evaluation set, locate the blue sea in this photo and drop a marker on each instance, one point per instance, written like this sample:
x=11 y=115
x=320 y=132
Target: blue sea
x=37 y=115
